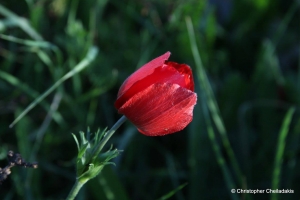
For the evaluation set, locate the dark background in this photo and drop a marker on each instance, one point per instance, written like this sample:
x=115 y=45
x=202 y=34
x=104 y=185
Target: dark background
x=249 y=50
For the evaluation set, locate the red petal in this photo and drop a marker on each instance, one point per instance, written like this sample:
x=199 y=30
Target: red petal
x=160 y=109
x=163 y=74
x=142 y=72
x=186 y=71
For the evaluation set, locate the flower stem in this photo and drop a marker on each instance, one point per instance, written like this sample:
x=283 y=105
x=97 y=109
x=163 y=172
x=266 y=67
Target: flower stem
x=80 y=182
x=109 y=134
x=76 y=187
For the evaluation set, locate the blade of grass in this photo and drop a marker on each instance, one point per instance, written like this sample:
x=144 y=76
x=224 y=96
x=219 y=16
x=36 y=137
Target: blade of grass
x=215 y=114
x=280 y=150
x=292 y=159
x=269 y=46
x=170 y=194
x=25 y=88
x=29 y=180
x=23 y=23
x=284 y=23
x=91 y=55
x=32 y=43
x=217 y=150
x=43 y=128
x=37 y=44
x=270 y=60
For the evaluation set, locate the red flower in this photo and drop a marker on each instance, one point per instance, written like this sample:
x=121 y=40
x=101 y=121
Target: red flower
x=159 y=97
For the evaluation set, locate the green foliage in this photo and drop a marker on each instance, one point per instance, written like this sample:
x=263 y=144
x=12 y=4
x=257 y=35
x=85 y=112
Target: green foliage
x=170 y=194
x=67 y=59
x=89 y=164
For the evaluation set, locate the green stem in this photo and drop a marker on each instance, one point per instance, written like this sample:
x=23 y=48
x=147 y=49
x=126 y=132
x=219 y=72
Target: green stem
x=76 y=187
x=80 y=182
x=108 y=135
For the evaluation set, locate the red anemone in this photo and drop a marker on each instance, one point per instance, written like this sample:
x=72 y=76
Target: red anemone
x=159 y=97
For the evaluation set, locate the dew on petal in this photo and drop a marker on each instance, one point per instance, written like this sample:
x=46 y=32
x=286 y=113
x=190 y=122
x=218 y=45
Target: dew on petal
x=160 y=109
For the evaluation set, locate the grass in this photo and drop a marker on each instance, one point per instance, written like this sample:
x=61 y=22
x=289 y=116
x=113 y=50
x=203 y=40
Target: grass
x=62 y=62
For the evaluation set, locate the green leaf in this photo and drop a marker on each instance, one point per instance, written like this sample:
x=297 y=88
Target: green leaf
x=92 y=172
x=280 y=151
x=76 y=140
x=170 y=194
x=90 y=165
x=82 y=151
x=91 y=55
x=82 y=138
